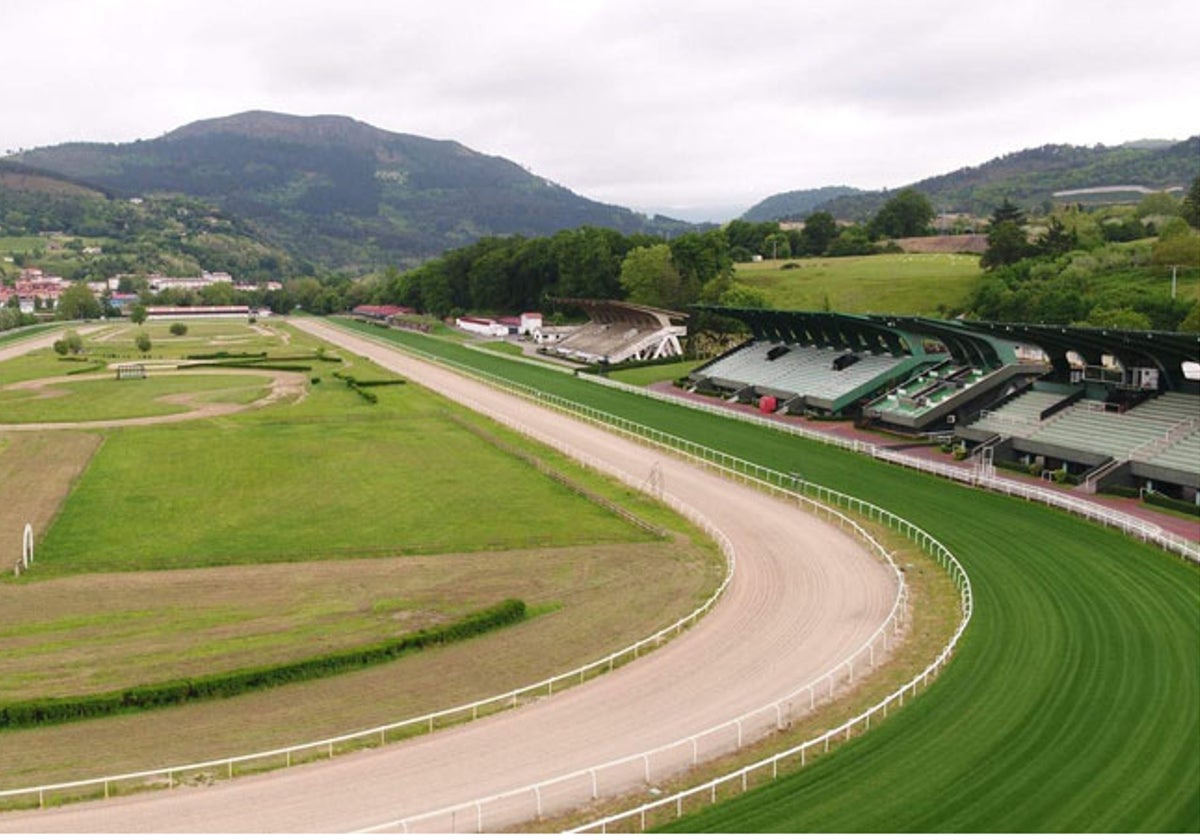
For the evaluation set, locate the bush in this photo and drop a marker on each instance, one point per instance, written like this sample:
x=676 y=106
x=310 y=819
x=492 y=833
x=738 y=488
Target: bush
x=142 y=342
x=179 y=329
x=51 y=710
x=1178 y=505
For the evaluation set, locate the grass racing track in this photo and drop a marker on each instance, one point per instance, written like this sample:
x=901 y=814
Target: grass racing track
x=1072 y=705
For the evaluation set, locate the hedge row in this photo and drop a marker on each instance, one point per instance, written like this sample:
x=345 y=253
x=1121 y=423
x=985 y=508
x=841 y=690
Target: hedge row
x=94 y=366
x=225 y=354
x=360 y=386
x=1163 y=501
x=252 y=366
x=53 y=710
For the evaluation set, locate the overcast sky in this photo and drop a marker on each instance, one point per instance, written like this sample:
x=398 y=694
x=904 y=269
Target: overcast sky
x=691 y=107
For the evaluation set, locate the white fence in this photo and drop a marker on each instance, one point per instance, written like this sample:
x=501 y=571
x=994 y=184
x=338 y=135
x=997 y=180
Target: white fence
x=1132 y=525
x=377 y=736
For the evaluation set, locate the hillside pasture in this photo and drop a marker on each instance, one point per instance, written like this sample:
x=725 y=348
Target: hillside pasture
x=900 y=284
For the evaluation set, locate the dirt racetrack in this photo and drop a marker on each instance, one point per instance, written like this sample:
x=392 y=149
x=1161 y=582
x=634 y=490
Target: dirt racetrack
x=805 y=595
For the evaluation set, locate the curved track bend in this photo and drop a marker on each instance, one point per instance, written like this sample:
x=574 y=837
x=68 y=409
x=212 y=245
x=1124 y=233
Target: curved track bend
x=804 y=596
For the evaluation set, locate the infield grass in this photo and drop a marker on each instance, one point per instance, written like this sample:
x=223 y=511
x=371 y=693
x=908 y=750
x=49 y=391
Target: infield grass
x=101 y=397
x=1073 y=703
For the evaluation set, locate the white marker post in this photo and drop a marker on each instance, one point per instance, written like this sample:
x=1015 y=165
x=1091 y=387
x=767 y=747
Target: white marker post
x=27 y=546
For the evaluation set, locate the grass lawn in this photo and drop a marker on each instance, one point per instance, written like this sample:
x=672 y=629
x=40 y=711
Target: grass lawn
x=655 y=373
x=1073 y=703
x=397 y=514
x=901 y=284
x=394 y=478
x=603 y=598
x=106 y=398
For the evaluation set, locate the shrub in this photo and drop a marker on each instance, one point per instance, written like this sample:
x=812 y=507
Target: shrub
x=179 y=329
x=142 y=342
x=51 y=710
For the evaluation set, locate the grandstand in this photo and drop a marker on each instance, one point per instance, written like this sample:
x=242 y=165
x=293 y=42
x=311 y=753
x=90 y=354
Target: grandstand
x=1103 y=406
x=619 y=332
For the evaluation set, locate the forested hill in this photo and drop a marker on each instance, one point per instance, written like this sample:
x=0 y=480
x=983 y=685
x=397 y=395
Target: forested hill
x=795 y=204
x=72 y=229
x=338 y=192
x=1030 y=178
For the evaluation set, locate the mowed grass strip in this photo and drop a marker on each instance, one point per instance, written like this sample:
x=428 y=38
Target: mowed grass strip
x=909 y=284
x=1074 y=702
x=104 y=397
x=603 y=597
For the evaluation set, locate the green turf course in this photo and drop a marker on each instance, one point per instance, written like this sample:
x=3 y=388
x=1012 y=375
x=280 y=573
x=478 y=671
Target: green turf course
x=910 y=284
x=1074 y=701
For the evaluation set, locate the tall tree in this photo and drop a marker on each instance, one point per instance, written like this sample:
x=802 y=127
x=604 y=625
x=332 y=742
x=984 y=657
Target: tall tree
x=1190 y=210
x=77 y=303
x=649 y=277
x=820 y=229
x=908 y=213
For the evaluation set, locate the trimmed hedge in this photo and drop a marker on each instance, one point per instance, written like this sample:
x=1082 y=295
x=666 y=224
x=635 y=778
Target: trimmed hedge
x=252 y=366
x=94 y=366
x=360 y=386
x=52 y=710
x=225 y=354
x=1178 y=505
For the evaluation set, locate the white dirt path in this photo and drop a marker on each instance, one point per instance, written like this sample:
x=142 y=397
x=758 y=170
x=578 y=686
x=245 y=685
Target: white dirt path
x=805 y=596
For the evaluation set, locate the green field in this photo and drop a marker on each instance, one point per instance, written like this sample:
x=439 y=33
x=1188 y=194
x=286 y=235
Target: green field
x=101 y=398
x=1073 y=703
x=900 y=284
x=161 y=560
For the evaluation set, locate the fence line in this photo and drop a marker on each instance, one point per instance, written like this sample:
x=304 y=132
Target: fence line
x=766 y=478
x=378 y=735
x=973 y=476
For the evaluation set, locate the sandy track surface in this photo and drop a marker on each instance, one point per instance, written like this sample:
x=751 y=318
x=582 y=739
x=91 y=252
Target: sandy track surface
x=805 y=595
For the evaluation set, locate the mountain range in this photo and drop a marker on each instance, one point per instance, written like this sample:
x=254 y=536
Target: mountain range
x=334 y=193
x=1028 y=178
x=339 y=192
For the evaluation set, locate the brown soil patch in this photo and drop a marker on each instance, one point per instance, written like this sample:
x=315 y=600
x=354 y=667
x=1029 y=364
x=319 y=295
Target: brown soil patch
x=964 y=243
x=56 y=459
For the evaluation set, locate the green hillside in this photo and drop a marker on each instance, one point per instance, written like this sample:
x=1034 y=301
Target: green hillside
x=57 y=223
x=338 y=192
x=1029 y=178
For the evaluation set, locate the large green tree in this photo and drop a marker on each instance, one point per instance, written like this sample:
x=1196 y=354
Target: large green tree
x=820 y=229
x=1190 y=209
x=908 y=213
x=649 y=277
x=77 y=303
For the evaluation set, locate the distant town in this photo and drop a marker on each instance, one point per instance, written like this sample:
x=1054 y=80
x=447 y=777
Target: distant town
x=35 y=292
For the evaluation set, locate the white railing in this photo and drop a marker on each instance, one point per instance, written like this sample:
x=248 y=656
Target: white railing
x=377 y=736
x=1132 y=525
x=532 y=801
x=672 y=807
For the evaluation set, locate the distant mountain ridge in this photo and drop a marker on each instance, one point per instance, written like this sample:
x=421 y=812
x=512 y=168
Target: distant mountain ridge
x=1030 y=177
x=795 y=204
x=340 y=192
